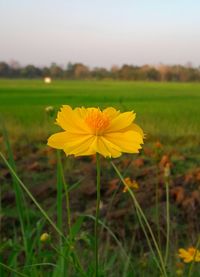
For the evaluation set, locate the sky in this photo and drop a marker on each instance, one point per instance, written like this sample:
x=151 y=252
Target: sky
x=100 y=32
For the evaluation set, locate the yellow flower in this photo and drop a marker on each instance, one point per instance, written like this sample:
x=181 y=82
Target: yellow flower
x=89 y=130
x=130 y=184
x=44 y=237
x=189 y=255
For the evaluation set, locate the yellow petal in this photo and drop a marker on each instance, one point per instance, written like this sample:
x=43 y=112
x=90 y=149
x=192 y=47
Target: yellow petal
x=82 y=112
x=114 y=150
x=58 y=140
x=79 y=145
x=134 y=127
x=120 y=122
x=111 y=112
x=188 y=259
x=197 y=258
x=129 y=142
x=182 y=252
x=70 y=120
x=100 y=146
x=71 y=143
x=185 y=255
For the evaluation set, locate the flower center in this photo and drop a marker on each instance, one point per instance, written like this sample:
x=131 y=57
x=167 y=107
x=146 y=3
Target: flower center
x=97 y=121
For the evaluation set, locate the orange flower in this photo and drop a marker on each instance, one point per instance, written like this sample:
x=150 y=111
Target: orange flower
x=88 y=131
x=130 y=184
x=189 y=255
x=158 y=144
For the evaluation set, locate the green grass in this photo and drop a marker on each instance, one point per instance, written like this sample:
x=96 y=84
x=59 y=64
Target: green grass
x=164 y=110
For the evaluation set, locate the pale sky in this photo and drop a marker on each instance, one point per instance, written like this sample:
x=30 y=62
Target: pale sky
x=100 y=32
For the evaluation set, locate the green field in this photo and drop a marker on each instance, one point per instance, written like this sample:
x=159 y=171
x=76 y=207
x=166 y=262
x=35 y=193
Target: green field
x=164 y=110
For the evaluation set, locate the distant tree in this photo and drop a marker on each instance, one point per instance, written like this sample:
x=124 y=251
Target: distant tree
x=129 y=72
x=15 y=69
x=45 y=72
x=114 y=72
x=4 y=70
x=193 y=74
x=163 y=69
x=69 y=72
x=56 y=71
x=69 y=66
x=100 y=73
x=153 y=74
x=81 y=71
x=30 y=71
x=177 y=73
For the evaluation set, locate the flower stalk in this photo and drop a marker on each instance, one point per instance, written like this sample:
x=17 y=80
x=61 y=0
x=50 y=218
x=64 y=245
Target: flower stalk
x=168 y=221
x=97 y=215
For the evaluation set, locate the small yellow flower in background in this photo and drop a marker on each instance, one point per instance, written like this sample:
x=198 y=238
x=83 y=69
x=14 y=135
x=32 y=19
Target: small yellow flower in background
x=130 y=184
x=189 y=255
x=44 y=237
x=88 y=131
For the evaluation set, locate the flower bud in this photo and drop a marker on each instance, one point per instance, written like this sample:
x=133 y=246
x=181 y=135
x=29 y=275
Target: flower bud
x=44 y=237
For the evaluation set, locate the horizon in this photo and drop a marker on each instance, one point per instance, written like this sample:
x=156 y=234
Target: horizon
x=17 y=64
x=100 y=33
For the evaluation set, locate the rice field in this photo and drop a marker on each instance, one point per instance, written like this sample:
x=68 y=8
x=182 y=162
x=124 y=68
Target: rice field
x=168 y=110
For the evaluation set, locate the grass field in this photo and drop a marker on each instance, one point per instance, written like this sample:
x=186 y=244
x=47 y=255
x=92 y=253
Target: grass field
x=164 y=110
x=49 y=193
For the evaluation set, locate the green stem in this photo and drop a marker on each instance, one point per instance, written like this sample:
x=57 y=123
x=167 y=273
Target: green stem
x=66 y=188
x=40 y=264
x=157 y=208
x=76 y=261
x=124 y=255
x=145 y=220
x=67 y=205
x=59 y=193
x=97 y=215
x=13 y=270
x=168 y=221
x=147 y=238
x=63 y=262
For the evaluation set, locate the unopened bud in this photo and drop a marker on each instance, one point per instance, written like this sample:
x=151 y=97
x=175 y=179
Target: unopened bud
x=44 y=237
x=167 y=171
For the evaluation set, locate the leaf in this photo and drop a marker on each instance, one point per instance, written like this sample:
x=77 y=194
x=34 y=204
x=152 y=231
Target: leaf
x=75 y=228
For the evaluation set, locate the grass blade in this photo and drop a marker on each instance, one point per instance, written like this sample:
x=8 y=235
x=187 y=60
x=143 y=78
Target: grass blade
x=18 y=192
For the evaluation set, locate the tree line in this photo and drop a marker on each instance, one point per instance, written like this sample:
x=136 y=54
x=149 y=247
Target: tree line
x=79 y=71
